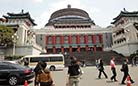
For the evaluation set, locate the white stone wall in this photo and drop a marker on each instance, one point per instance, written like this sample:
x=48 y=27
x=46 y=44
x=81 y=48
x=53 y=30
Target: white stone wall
x=126 y=49
x=130 y=33
x=24 y=50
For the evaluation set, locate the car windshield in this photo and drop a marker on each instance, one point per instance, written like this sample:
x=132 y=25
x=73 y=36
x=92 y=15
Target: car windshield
x=17 y=66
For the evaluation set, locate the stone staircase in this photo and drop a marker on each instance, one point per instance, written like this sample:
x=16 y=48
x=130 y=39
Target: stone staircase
x=90 y=57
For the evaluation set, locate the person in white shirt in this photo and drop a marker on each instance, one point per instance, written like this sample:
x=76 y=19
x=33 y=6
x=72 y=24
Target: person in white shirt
x=113 y=68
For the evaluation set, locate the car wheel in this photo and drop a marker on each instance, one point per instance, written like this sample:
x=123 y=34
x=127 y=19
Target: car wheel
x=12 y=80
x=52 y=68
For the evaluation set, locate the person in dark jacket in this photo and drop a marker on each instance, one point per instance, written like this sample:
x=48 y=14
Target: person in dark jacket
x=101 y=69
x=74 y=73
x=125 y=69
x=40 y=66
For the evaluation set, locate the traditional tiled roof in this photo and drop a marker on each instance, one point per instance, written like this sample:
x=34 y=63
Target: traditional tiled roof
x=125 y=14
x=21 y=15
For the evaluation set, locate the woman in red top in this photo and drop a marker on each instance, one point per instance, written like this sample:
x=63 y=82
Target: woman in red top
x=113 y=68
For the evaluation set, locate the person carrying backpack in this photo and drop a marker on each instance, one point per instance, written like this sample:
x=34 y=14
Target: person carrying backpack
x=74 y=73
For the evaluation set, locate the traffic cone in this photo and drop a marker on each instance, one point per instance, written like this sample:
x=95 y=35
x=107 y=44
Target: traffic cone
x=26 y=83
x=128 y=81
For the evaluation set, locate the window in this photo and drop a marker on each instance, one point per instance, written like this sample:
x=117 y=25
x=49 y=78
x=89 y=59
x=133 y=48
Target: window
x=58 y=39
x=89 y=39
x=74 y=39
x=66 y=39
x=53 y=59
x=97 y=38
x=37 y=59
x=82 y=39
x=136 y=25
x=4 y=66
x=50 y=40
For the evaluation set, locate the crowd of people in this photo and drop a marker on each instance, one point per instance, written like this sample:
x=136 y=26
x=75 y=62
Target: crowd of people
x=43 y=76
x=124 y=69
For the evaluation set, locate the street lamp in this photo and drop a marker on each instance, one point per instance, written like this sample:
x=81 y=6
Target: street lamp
x=14 y=37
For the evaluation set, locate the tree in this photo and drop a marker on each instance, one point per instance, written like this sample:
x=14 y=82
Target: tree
x=6 y=34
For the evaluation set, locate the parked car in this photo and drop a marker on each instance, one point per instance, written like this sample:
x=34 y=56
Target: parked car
x=11 y=61
x=14 y=73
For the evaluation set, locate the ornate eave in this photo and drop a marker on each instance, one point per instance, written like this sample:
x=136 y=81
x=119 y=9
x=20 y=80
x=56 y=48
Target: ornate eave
x=125 y=14
x=20 y=16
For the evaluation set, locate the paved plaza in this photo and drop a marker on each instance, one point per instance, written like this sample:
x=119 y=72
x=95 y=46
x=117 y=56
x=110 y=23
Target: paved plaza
x=90 y=75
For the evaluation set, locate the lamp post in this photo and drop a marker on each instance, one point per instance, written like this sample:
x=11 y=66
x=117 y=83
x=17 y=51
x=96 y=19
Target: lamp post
x=14 y=37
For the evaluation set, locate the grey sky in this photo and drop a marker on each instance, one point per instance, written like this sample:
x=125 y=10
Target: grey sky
x=101 y=11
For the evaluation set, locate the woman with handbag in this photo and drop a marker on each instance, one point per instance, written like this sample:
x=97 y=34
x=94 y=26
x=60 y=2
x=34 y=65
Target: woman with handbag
x=101 y=70
x=44 y=78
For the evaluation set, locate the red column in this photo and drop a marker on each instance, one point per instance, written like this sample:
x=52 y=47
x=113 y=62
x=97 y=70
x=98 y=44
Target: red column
x=86 y=48
x=86 y=39
x=93 y=39
x=77 y=39
x=70 y=49
x=61 y=39
x=53 y=39
x=47 y=39
x=62 y=49
x=54 y=49
x=94 y=49
x=70 y=39
x=101 y=38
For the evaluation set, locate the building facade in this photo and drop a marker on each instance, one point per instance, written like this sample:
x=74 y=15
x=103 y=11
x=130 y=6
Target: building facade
x=71 y=30
x=125 y=32
x=22 y=24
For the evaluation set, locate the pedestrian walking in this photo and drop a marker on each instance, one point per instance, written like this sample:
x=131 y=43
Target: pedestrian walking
x=83 y=64
x=125 y=69
x=74 y=73
x=37 y=70
x=97 y=62
x=43 y=77
x=26 y=62
x=134 y=61
x=113 y=68
x=101 y=69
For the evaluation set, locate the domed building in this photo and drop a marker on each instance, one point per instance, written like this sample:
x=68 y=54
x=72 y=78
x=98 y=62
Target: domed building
x=71 y=30
x=70 y=16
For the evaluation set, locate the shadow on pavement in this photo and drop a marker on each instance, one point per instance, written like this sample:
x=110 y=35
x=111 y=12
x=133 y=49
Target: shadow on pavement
x=20 y=84
x=110 y=81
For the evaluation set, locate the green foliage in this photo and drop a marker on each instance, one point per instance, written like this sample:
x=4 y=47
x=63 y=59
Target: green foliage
x=12 y=57
x=6 y=36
